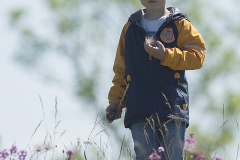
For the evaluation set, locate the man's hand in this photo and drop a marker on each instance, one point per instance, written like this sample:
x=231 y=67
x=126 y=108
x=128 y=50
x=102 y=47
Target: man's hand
x=113 y=112
x=157 y=51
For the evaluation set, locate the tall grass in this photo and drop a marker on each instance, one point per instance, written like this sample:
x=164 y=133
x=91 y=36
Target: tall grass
x=48 y=148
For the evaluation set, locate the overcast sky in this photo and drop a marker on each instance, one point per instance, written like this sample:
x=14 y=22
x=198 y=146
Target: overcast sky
x=20 y=92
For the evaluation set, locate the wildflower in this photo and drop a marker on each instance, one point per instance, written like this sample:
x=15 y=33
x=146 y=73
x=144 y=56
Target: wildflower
x=191 y=135
x=47 y=146
x=4 y=154
x=38 y=148
x=217 y=158
x=69 y=154
x=154 y=156
x=196 y=155
x=199 y=156
x=22 y=154
x=87 y=142
x=78 y=142
x=13 y=150
x=160 y=149
x=190 y=141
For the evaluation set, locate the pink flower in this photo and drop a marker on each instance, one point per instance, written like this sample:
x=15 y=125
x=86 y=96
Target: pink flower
x=69 y=154
x=13 y=150
x=160 y=149
x=217 y=158
x=191 y=135
x=22 y=154
x=4 y=154
x=199 y=156
x=190 y=142
x=154 y=156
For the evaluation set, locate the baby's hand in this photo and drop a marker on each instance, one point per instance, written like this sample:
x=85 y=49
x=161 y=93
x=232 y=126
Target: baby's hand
x=157 y=51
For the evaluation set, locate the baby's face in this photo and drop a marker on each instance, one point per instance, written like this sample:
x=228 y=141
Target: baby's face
x=154 y=4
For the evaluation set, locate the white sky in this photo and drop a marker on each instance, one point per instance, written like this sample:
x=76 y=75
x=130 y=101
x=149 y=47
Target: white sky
x=20 y=106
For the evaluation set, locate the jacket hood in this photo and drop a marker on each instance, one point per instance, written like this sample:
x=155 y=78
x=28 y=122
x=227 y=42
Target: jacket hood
x=175 y=14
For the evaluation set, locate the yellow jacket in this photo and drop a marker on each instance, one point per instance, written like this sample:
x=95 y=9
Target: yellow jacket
x=154 y=86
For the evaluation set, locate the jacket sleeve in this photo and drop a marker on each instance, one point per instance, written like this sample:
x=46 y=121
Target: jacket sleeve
x=117 y=90
x=190 y=51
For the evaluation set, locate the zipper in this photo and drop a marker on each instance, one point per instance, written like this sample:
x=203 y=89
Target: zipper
x=137 y=24
x=150 y=68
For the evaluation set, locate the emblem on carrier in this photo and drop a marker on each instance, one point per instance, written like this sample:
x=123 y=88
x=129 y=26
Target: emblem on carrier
x=167 y=35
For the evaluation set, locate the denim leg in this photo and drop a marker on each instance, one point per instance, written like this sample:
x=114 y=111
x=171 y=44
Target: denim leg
x=148 y=137
x=173 y=140
x=144 y=140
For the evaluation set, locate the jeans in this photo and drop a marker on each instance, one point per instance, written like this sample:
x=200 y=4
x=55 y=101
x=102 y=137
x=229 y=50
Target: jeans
x=150 y=135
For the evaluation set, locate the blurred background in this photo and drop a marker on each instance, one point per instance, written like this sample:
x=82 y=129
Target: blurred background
x=56 y=66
